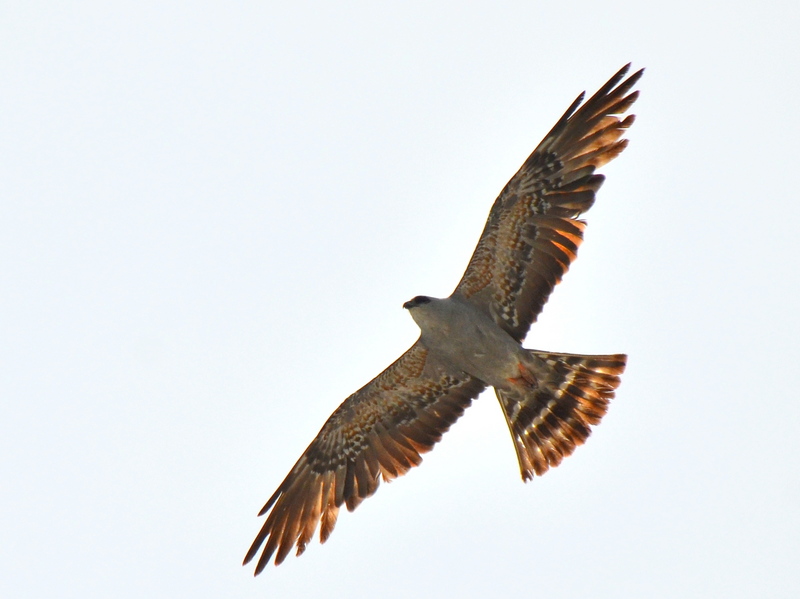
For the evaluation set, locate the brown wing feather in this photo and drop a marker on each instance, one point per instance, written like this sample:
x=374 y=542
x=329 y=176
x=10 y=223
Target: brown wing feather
x=378 y=432
x=532 y=233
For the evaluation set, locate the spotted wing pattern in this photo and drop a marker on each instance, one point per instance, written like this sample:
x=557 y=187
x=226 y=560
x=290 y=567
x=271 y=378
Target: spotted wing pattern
x=378 y=432
x=532 y=233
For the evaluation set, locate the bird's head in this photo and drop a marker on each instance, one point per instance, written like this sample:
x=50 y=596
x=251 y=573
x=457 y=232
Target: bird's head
x=417 y=301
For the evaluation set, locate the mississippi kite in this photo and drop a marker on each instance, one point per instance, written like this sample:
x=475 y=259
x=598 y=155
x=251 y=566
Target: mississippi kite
x=473 y=339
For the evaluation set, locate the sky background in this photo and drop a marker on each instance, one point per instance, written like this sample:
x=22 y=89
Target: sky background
x=211 y=215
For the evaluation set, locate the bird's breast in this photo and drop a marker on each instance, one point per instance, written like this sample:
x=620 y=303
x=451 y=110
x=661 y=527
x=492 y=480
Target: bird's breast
x=469 y=340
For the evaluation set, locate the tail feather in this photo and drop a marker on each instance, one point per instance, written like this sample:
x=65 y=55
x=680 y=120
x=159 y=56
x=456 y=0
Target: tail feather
x=552 y=416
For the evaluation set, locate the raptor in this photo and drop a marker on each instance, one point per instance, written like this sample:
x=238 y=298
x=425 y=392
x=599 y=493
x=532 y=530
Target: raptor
x=473 y=339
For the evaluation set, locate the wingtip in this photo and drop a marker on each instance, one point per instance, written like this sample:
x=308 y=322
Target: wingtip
x=630 y=81
x=618 y=76
x=251 y=553
x=249 y=556
x=262 y=563
x=636 y=76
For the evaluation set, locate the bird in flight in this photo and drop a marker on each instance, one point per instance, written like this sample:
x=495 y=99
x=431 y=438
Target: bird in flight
x=472 y=340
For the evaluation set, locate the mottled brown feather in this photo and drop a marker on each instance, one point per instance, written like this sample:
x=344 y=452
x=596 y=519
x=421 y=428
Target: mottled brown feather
x=517 y=261
x=378 y=432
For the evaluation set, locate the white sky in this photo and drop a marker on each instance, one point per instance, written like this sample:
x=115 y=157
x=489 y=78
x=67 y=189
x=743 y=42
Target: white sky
x=211 y=214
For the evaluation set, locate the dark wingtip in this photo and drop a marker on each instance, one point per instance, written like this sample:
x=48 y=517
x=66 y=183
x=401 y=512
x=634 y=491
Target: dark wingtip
x=262 y=563
x=251 y=553
x=635 y=77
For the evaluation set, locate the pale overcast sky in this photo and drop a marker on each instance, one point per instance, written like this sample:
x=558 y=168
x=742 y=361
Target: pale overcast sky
x=212 y=212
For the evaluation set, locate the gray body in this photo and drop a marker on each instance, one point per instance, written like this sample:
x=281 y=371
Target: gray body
x=468 y=339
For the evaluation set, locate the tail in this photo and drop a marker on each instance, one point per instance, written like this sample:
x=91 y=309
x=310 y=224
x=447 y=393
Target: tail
x=551 y=415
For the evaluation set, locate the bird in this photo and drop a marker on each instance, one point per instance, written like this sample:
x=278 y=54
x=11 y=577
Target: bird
x=472 y=340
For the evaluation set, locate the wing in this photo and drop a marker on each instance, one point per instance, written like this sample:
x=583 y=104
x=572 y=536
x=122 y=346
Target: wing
x=379 y=431
x=532 y=234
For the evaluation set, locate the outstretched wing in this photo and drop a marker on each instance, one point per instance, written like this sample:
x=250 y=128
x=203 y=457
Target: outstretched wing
x=379 y=431
x=532 y=234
